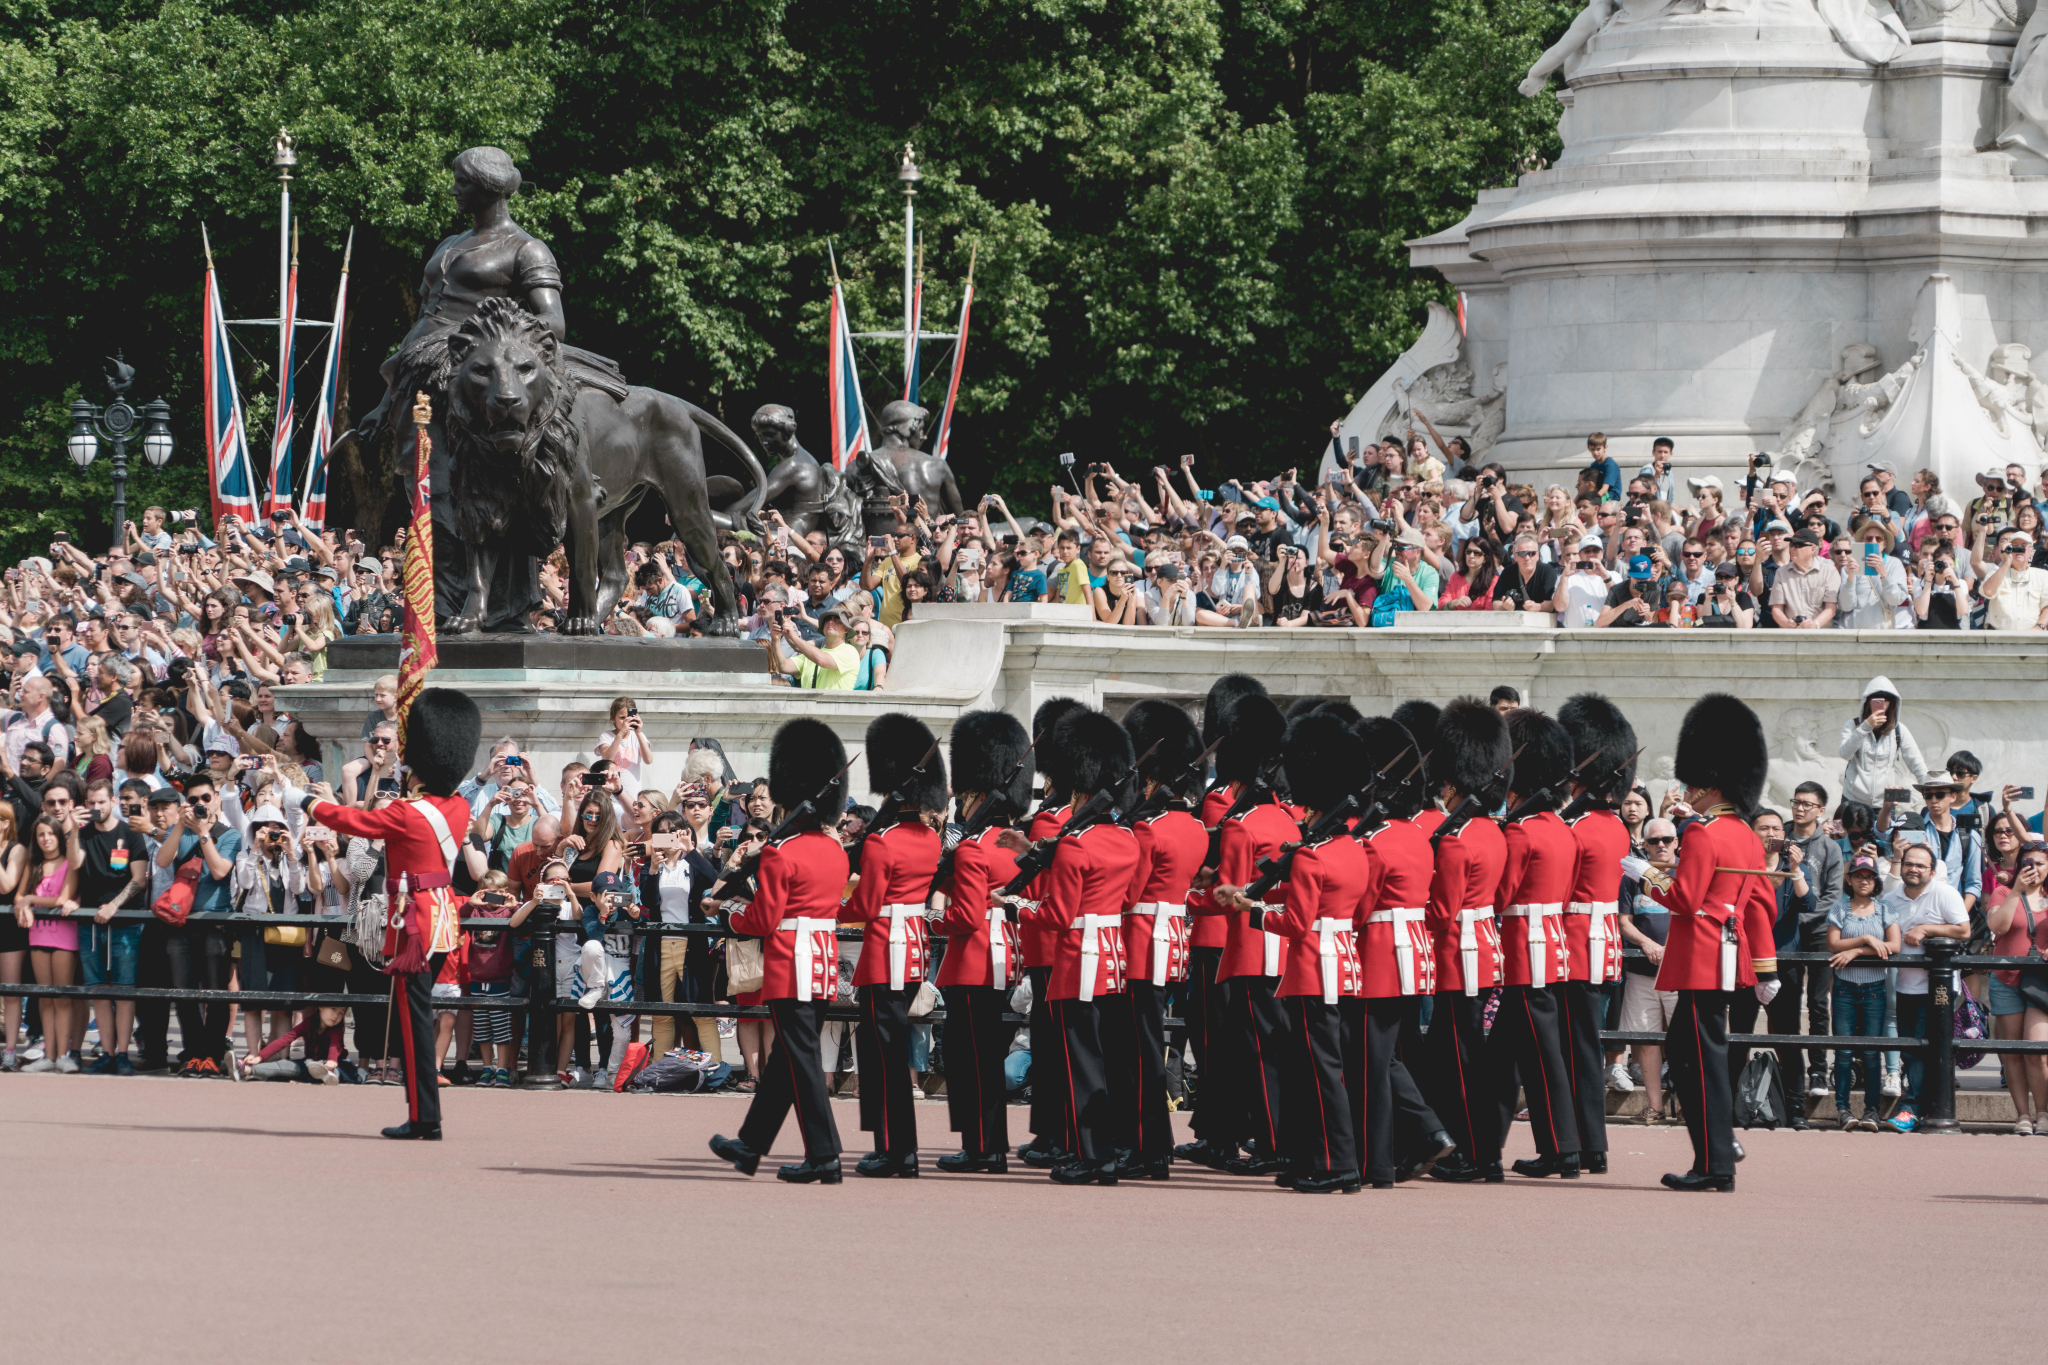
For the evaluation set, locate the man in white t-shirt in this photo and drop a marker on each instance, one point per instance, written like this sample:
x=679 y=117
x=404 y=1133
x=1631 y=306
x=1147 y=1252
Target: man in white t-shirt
x=1925 y=906
x=2016 y=595
x=1582 y=593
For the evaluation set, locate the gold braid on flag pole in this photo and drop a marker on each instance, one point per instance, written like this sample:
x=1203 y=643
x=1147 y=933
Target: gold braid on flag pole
x=418 y=652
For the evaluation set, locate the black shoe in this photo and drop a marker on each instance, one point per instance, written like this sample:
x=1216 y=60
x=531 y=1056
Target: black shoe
x=424 y=1132
x=1692 y=1180
x=970 y=1163
x=880 y=1167
x=1439 y=1146
x=1204 y=1154
x=1041 y=1155
x=1565 y=1164
x=1287 y=1180
x=1382 y=1185
x=1593 y=1163
x=1253 y=1164
x=1458 y=1171
x=1336 y=1182
x=1799 y=1123
x=1131 y=1166
x=808 y=1172
x=744 y=1159
x=1085 y=1173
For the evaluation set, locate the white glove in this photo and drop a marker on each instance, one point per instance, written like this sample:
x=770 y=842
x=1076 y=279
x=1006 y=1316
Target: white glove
x=289 y=795
x=1767 y=991
x=1634 y=868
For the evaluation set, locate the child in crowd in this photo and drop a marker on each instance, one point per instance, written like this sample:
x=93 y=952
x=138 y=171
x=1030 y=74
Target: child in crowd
x=326 y=1050
x=1860 y=925
x=490 y=972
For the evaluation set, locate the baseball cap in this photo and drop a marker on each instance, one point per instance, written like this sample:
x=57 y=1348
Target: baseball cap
x=1639 y=566
x=1592 y=543
x=1778 y=524
x=1886 y=465
x=1805 y=538
x=1784 y=476
x=1237 y=543
x=164 y=796
x=1727 y=571
x=1270 y=504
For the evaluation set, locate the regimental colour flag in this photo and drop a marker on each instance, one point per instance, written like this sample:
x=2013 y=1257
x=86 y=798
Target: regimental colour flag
x=959 y=363
x=842 y=384
x=313 y=503
x=279 y=496
x=418 y=647
x=231 y=482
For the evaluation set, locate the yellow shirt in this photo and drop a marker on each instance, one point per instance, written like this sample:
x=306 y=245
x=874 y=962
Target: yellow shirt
x=892 y=589
x=813 y=674
x=1068 y=582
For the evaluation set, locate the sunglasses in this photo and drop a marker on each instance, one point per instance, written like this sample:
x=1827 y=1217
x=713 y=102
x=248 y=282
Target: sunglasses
x=1661 y=839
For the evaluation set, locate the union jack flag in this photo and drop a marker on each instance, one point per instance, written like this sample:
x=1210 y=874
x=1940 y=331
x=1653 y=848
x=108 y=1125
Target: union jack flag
x=313 y=503
x=945 y=437
x=231 y=481
x=842 y=384
x=279 y=496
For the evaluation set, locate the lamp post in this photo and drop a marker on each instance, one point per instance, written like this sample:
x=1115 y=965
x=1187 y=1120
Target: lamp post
x=117 y=422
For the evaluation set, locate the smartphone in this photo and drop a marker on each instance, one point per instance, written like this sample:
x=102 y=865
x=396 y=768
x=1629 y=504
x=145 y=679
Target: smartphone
x=1774 y=845
x=1206 y=496
x=1898 y=795
x=2024 y=794
x=665 y=843
x=591 y=779
x=60 y=537
x=1352 y=446
x=878 y=543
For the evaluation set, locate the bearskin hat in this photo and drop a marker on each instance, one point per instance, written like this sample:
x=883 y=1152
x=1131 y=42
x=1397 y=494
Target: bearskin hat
x=1224 y=695
x=1254 y=736
x=1300 y=707
x=803 y=758
x=1471 y=747
x=1546 y=757
x=1419 y=719
x=1342 y=710
x=985 y=750
x=1386 y=742
x=896 y=742
x=442 y=731
x=1048 y=757
x=1721 y=745
x=1601 y=733
x=1325 y=760
x=1156 y=721
x=1097 y=748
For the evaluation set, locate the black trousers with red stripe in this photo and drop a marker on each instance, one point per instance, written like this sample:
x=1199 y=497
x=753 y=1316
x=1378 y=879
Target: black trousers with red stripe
x=1389 y=1117
x=795 y=1077
x=1249 y=1045
x=1205 y=1010
x=1456 y=1079
x=1084 y=1078
x=881 y=1050
x=1317 y=1134
x=1696 y=1048
x=1579 y=1007
x=416 y=1042
x=1048 y=1085
x=1134 y=1042
x=1528 y=1056
x=976 y=1041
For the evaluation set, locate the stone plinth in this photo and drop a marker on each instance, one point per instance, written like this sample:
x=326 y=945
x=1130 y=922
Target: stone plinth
x=558 y=658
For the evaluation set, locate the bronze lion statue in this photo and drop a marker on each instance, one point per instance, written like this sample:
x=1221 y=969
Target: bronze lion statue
x=537 y=460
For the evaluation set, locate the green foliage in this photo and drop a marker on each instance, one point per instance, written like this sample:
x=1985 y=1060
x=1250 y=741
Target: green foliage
x=1186 y=218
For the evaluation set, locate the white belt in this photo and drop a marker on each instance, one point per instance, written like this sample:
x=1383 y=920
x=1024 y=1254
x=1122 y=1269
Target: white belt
x=1539 y=942
x=1162 y=913
x=1728 y=950
x=1468 y=944
x=899 y=941
x=1091 y=927
x=998 y=948
x=807 y=927
x=1404 y=946
x=1271 y=964
x=1597 y=937
x=1326 y=949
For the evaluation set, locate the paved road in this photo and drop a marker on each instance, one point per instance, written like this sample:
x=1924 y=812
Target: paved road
x=170 y=1221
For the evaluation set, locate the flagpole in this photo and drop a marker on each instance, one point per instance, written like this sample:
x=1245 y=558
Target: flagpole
x=909 y=175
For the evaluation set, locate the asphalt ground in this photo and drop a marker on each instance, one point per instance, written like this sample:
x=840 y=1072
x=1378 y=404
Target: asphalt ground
x=164 y=1220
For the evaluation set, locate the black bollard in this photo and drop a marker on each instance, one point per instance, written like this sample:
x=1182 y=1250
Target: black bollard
x=542 y=1065
x=1938 y=1079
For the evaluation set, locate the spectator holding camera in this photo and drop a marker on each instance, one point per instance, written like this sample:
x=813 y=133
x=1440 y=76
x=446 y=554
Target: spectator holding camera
x=1527 y=582
x=1875 y=744
x=625 y=744
x=2019 y=921
x=1582 y=595
x=1728 y=605
x=1874 y=593
x=1406 y=582
x=2015 y=594
x=1803 y=592
x=1471 y=587
x=1296 y=593
x=831 y=666
x=1636 y=600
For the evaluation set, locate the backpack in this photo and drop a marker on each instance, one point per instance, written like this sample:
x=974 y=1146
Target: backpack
x=1760 y=1092
x=681 y=1072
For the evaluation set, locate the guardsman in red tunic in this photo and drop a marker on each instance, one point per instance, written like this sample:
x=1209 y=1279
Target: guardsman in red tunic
x=796 y=916
x=1399 y=1135
x=1048 y=1118
x=1419 y=719
x=1252 y=1040
x=1592 y=924
x=1207 y=933
x=1171 y=847
x=1722 y=917
x=899 y=854
x=1536 y=883
x=1092 y=866
x=983 y=962
x=1469 y=761
x=443 y=729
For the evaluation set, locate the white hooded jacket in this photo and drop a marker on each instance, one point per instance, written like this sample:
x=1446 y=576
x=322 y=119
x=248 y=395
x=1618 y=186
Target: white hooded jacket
x=1872 y=757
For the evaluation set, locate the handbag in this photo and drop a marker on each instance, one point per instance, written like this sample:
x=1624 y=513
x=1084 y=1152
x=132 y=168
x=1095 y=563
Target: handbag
x=332 y=953
x=282 y=935
x=174 y=906
x=1760 y=1092
x=927 y=996
x=2033 y=981
x=746 y=965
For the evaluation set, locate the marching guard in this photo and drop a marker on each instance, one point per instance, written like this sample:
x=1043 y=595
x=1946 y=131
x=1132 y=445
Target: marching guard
x=1048 y=1118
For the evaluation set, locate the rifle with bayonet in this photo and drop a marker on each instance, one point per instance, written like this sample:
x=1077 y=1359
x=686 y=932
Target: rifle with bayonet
x=994 y=806
x=1545 y=793
x=1376 y=811
x=1037 y=858
x=1586 y=799
x=1474 y=803
x=751 y=864
x=1254 y=791
x=1277 y=867
x=1170 y=786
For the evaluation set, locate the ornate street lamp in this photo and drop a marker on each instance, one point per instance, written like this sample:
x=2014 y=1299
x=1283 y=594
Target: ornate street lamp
x=117 y=422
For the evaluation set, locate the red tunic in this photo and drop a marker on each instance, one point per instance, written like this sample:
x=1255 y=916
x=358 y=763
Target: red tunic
x=1704 y=902
x=1331 y=888
x=1535 y=884
x=1430 y=820
x=1038 y=940
x=1206 y=929
x=1398 y=918
x=1592 y=921
x=1171 y=847
x=410 y=844
x=981 y=868
x=896 y=868
x=1248 y=838
x=1468 y=868
x=1084 y=910
x=800 y=879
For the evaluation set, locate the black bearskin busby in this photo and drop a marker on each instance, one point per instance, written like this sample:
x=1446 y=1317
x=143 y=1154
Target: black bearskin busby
x=1400 y=792
x=1048 y=757
x=803 y=758
x=986 y=750
x=1419 y=719
x=1600 y=732
x=1098 y=749
x=1154 y=721
x=1721 y=745
x=1224 y=695
x=1342 y=710
x=1254 y=735
x=1471 y=748
x=442 y=732
x=1325 y=761
x=1546 y=758
x=896 y=743
x=1300 y=707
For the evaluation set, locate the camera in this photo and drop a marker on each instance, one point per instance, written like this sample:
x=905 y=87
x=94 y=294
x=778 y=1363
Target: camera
x=185 y=514
x=618 y=901
x=1381 y=525
x=1896 y=795
x=1762 y=459
x=1774 y=845
x=1169 y=573
x=1488 y=480
x=632 y=711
